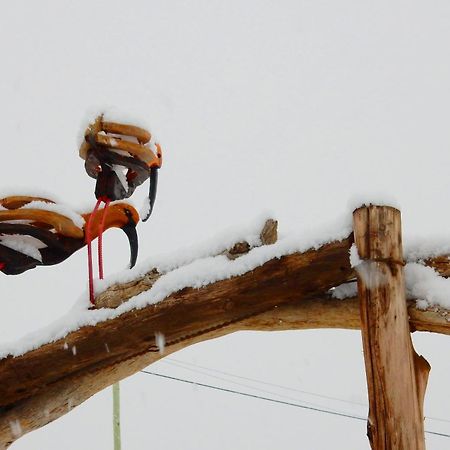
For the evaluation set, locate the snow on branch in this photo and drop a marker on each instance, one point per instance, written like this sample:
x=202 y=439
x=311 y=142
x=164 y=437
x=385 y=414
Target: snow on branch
x=265 y=287
x=119 y=293
x=44 y=383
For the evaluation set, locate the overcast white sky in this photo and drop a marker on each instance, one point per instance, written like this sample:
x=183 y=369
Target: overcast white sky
x=293 y=106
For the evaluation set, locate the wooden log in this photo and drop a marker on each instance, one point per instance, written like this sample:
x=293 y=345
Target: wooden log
x=186 y=314
x=192 y=311
x=61 y=397
x=117 y=294
x=396 y=381
x=72 y=383
x=325 y=312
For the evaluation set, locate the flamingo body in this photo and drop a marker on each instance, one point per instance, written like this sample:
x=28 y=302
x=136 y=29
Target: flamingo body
x=59 y=236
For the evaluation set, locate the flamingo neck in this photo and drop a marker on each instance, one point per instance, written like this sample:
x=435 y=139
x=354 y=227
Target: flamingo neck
x=89 y=236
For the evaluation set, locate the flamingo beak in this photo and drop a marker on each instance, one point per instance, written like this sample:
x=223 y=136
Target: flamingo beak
x=130 y=231
x=152 y=191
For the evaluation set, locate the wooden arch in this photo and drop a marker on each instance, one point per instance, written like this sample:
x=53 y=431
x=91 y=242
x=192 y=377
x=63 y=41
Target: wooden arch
x=286 y=293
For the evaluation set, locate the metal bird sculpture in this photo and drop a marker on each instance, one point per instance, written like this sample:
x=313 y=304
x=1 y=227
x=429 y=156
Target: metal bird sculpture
x=120 y=157
x=34 y=231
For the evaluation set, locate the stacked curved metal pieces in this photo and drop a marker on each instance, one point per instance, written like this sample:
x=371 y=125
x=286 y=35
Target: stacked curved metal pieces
x=35 y=231
x=121 y=157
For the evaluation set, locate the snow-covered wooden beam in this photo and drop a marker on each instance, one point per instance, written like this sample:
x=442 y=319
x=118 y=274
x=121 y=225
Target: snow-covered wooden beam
x=117 y=294
x=29 y=384
x=285 y=293
x=314 y=313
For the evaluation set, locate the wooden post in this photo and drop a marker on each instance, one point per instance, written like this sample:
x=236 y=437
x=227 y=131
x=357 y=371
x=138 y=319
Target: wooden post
x=396 y=375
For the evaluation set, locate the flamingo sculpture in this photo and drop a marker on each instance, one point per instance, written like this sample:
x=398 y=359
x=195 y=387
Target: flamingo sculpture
x=120 y=157
x=35 y=231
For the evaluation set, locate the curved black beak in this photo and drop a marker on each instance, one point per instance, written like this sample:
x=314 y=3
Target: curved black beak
x=152 y=191
x=130 y=231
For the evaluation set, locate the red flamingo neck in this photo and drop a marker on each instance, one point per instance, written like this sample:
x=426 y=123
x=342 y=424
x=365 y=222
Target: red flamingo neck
x=89 y=236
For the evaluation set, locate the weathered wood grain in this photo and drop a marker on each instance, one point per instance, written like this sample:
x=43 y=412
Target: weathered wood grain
x=293 y=297
x=62 y=396
x=396 y=376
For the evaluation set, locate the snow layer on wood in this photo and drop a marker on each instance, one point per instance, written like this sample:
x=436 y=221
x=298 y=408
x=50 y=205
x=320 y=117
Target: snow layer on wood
x=425 y=284
x=200 y=265
x=196 y=256
x=422 y=248
x=422 y=283
x=192 y=267
x=372 y=199
x=355 y=260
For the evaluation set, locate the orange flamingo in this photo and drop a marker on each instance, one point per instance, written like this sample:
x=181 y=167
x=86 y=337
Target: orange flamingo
x=41 y=234
x=109 y=148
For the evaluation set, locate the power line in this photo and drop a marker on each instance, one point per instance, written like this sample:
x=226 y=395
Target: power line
x=246 y=394
x=438 y=419
x=272 y=400
x=240 y=384
x=314 y=394
x=180 y=364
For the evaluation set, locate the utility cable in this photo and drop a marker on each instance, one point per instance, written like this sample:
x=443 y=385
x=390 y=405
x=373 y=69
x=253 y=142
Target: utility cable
x=267 y=399
x=248 y=386
x=288 y=388
x=327 y=397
